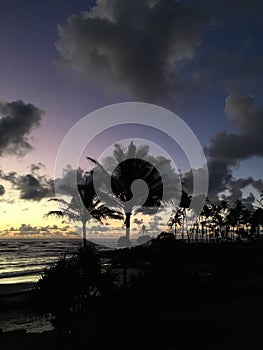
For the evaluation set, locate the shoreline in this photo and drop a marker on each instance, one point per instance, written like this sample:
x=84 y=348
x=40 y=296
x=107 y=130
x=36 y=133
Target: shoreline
x=15 y=289
x=15 y=315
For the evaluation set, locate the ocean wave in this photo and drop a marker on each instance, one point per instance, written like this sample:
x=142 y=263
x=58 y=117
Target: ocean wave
x=20 y=273
x=26 y=257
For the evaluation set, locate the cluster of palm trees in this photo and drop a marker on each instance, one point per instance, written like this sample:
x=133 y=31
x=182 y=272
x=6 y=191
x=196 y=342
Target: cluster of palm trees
x=220 y=221
x=103 y=195
x=106 y=195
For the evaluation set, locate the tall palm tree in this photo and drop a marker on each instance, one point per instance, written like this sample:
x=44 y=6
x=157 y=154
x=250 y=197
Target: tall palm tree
x=133 y=163
x=184 y=205
x=204 y=219
x=256 y=221
x=74 y=210
x=235 y=217
x=176 y=219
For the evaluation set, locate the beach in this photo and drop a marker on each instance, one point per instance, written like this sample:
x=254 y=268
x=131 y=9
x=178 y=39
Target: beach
x=15 y=314
x=21 y=264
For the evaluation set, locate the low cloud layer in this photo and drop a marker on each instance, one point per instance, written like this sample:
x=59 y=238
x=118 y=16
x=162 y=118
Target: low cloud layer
x=17 y=119
x=27 y=230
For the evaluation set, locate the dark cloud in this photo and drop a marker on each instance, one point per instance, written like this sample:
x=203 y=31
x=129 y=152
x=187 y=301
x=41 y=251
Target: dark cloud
x=220 y=174
x=46 y=231
x=138 y=47
x=2 y=190
x=138 y=221
x=7 y=201
x=228 y=149
x=69 y=180
x=247 y=141
x=235 y=188
x=34 y=168
x=168 y=50
x=34 y=188
x=98 y=228
x=31 y=186
x=258 y=185
x=25 y=229
x=17 y=119
x=155 y=222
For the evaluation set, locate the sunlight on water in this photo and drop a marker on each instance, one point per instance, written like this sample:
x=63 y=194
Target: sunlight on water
x=20 y=279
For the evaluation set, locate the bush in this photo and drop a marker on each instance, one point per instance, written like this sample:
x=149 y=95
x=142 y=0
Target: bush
x=68 y=286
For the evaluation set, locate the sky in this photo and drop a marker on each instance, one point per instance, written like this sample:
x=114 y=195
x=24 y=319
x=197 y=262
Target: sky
x=63 y=60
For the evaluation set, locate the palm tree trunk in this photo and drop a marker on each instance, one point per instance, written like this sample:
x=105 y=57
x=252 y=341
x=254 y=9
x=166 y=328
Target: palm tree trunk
x=84 y=233
x=125 y=262
x=128 y=224
x=182 y=230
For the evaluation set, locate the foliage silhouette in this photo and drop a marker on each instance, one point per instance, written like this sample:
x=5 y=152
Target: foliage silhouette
x=72 y=285
x=132 y=164
x=84 y=205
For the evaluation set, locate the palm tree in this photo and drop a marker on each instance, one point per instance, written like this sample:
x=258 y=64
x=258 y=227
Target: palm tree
x=176 y=219
x=133 y=164
x=184 y=205
x=235 y=217
x=75 y=211
x=260 y=201
x=205 y=219
x=256 y=221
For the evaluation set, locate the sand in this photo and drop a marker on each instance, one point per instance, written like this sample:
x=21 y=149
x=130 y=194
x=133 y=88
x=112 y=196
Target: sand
x=8 y=290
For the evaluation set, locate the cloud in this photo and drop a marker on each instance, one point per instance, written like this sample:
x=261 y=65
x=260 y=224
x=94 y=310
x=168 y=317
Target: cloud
x=31 y=186
x=69 y=180
x=164 y=51
x=25 y=229
x=155 y=222
x=2 y=190
x=36 y=186
x=138 y=221
x=226 y=150
x=235 y=188
x=17 y=119
x=248 y=120
x=139 y=47
x=97 y=228
x=34 y=168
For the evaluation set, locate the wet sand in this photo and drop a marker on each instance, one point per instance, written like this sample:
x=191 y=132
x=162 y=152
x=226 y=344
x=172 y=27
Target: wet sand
x=14 y=289
x=15 y=315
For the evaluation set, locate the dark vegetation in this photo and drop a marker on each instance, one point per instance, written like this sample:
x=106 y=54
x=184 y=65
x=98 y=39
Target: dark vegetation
x=177 y=296
x=174 y=291
x=204 y=289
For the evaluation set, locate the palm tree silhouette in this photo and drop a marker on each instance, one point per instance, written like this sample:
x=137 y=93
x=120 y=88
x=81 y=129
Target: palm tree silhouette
x=235 y=217
x=176 y=219
x=184 y=205
x=132 y=165
x=75 y=211
x=256 y=220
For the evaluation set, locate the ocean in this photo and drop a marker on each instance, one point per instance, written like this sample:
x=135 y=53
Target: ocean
x=21 y=262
